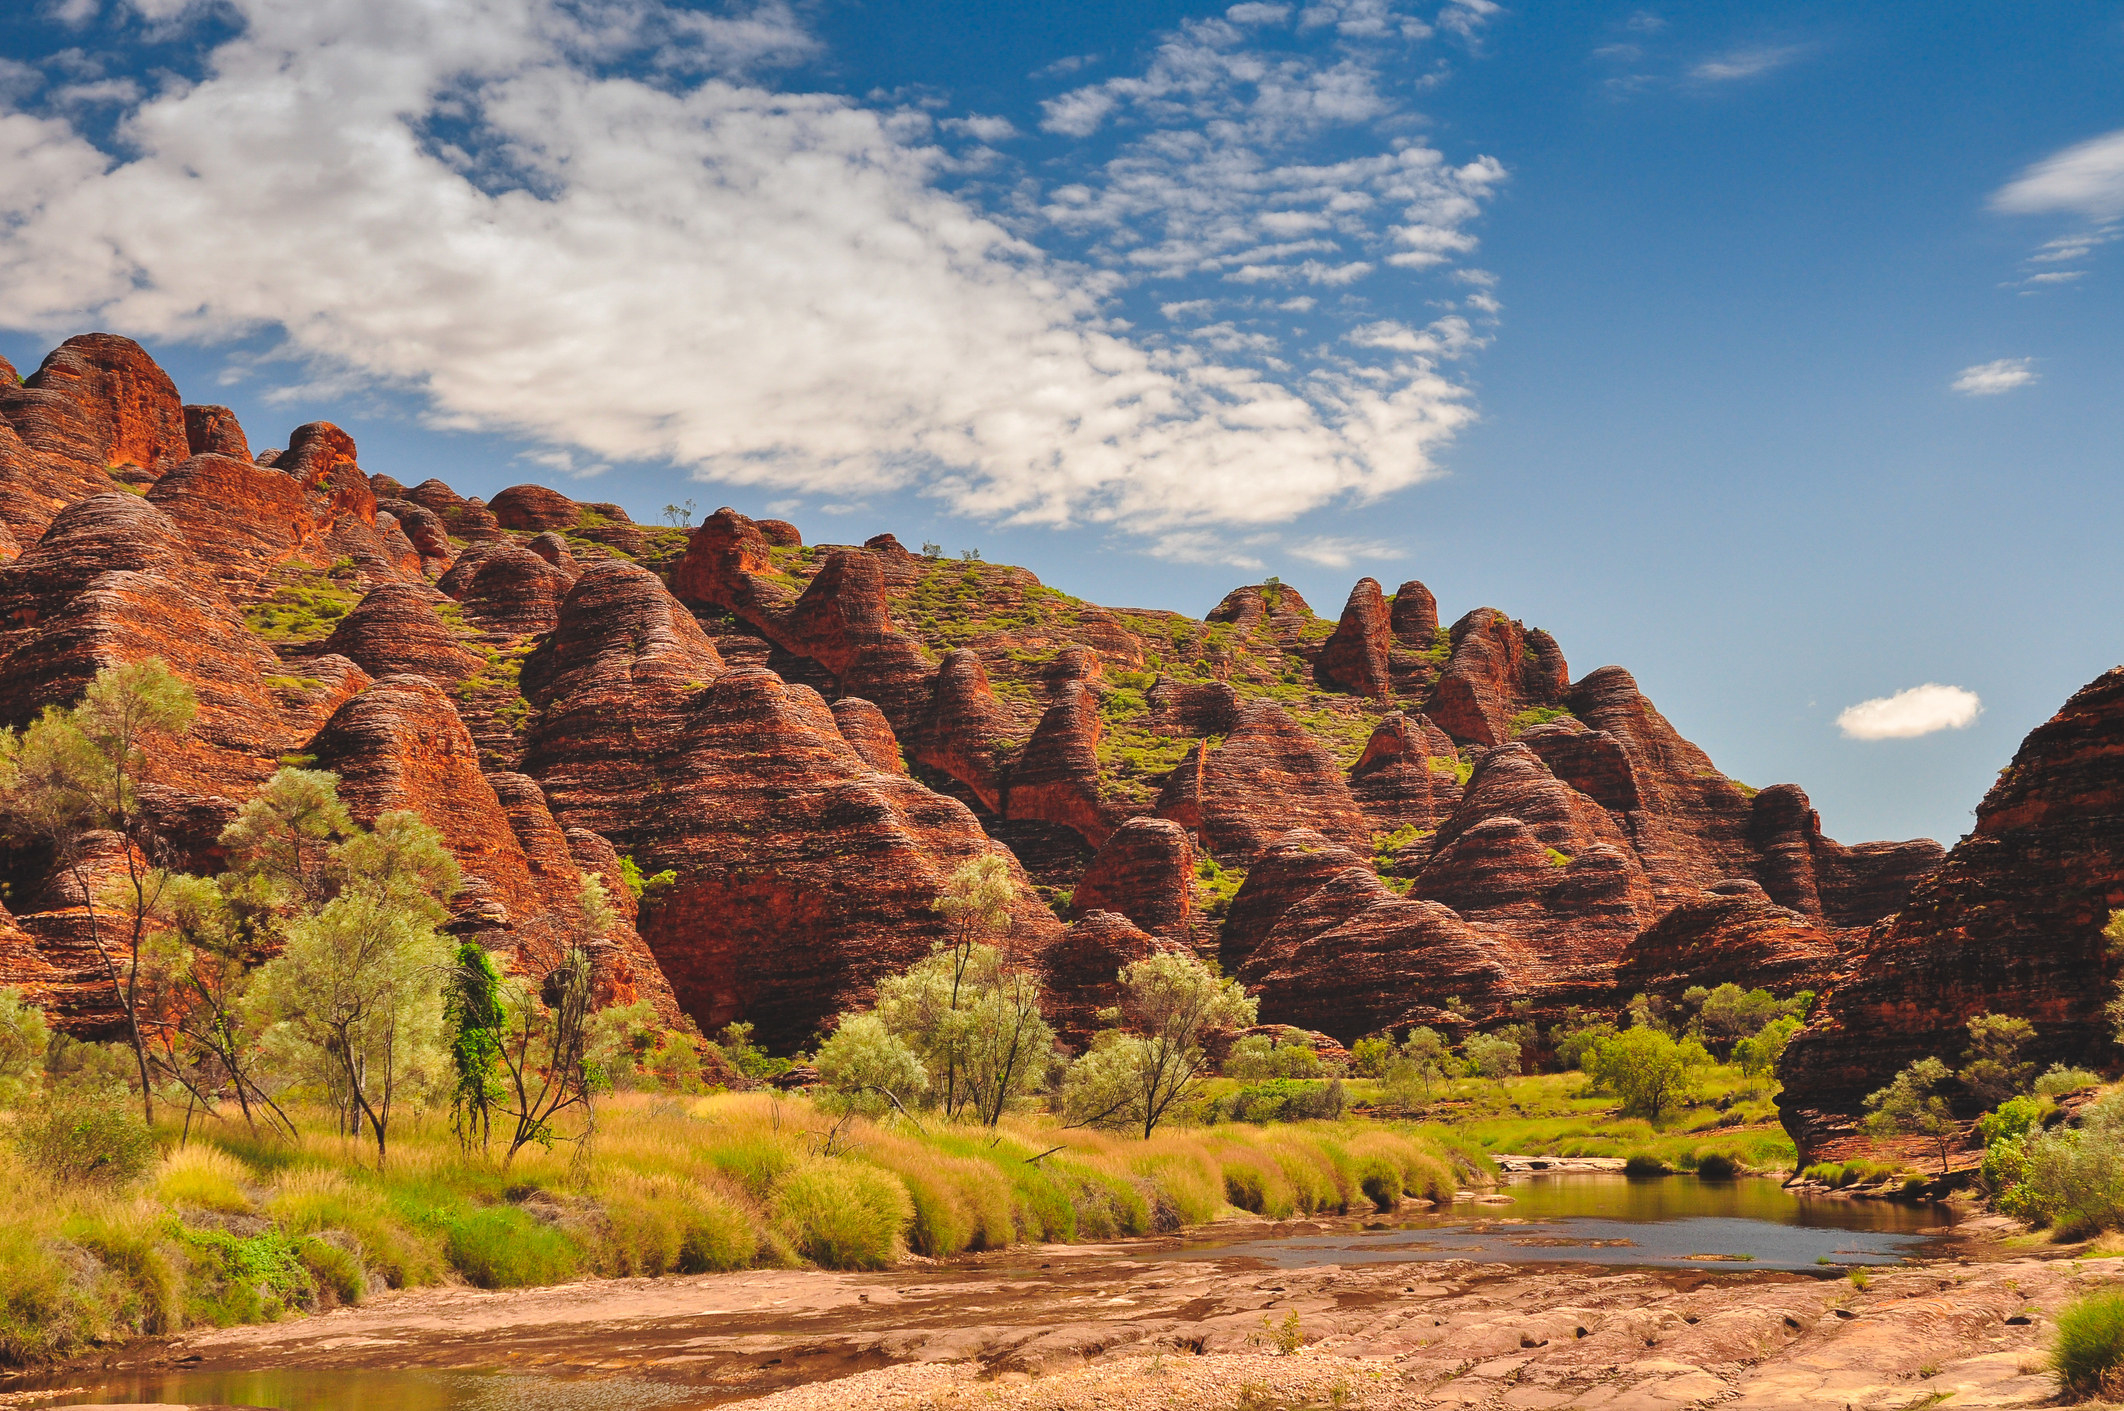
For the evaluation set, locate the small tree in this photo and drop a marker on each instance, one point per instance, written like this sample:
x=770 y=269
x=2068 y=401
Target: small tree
x=1759 y=1055
x=1992 y=1068
x=205 y=962
x=1421 y=1061
x=1648 y=1069
x=354 y=997
x=78 y=771
x=866 y=1068
x=1370 y=1056
x=1168 y=1002
x=544 y=1047
x=1909 y=1106
x=1491 y=1056
x=1730 y=1014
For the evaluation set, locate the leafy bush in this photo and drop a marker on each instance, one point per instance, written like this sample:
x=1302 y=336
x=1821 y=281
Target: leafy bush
x=2087 y=1354
x=91 y=1136
x=1281 y=1100
x=1258 y=1056
x=1490 y=1056
x=2060 y=1079
x=1716 y=1166
x=1369 y=1057
x=23 y=1041
x=1642 y=1163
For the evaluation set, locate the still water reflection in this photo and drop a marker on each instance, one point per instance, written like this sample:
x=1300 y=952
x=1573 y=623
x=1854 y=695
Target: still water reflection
x=1669 y=1221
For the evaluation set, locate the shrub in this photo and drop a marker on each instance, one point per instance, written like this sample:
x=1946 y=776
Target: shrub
x=1644 y=1163
x=1369 y=1057
x=2088 y=1349
x=841 y=1215
x=87 y=1136
x=1716 y=1166
x=2060 y=1079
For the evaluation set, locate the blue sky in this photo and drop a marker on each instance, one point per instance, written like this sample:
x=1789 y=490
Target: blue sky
x=1645 y=324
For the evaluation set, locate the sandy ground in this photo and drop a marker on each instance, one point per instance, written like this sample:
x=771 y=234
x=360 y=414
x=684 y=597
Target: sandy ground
x=1124 y=1327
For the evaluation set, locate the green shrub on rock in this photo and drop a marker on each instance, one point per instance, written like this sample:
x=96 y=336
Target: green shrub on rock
x=89 y=1135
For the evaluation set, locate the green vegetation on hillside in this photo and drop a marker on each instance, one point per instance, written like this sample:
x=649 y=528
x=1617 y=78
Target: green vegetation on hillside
x=306 y=603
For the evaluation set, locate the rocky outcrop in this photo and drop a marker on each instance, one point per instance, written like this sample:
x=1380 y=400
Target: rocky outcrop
x=1353 y=958
x=1408 y=775
x=396 y=631
x=1082 y=970
x=1497 y=670
x=1056 y=779
x=423 y=529
x=1292 y=868
x=967 y=733
x=2010 y=923
x=785 y=841
x=1413 y=616
x=865 y=727
x=534 y=507
x=506 y=588
x=214 y=431
x=112 y=581
x=1735 y=935
x=100 y=401
x=1354 y=658
x=1268 y=777
x=1146 y=872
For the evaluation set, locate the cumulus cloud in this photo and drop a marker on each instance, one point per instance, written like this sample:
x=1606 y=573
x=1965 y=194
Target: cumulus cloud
x=1921 y=710
x=2086 y=179
x=1990 y=379
x=598 y=227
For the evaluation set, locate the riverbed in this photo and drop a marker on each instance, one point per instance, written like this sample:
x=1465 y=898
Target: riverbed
x=1506 y=1304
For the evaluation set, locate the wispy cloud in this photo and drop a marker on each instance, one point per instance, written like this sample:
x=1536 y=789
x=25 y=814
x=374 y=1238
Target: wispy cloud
x=1738 y=64
x=2086 y=179
x=1331 y=552
x=1920 y=710
x=1990 y=379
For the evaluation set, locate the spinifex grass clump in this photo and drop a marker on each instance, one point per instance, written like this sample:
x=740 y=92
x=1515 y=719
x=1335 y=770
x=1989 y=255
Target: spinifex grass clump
x=697 y=1185
x=2088 y=1352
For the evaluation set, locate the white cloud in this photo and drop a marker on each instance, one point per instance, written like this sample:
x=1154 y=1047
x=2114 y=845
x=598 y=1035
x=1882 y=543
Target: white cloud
x=1990 y=379
x=1254 y=13
x=1921 y=710
x=1745 y=63
x=1331 y=552
x=2086 y=179
x=1203 y=547
x=480 y=202
x=981 y=127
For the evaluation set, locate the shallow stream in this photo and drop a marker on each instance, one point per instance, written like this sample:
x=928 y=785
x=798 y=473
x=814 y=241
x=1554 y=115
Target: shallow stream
x=1664 y=1221
x=1671 y=1221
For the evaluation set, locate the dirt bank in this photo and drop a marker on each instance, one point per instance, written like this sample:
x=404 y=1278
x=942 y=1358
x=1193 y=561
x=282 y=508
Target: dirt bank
x=1124 y=1325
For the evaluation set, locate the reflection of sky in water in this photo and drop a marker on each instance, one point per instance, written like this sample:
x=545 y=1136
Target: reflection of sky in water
x=1674 y=1221
x=335 y=1389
